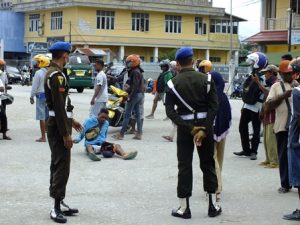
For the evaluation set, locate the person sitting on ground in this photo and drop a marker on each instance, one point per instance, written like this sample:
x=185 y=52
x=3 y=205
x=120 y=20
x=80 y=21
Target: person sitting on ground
x=95 y=134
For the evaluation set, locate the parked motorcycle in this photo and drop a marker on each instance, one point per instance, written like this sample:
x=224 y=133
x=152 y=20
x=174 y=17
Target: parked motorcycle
x=25 y=78
x=237 y=91
x=116 y=106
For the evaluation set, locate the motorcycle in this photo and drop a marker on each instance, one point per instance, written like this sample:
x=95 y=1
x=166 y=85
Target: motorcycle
x=116 y=106
x=237 y=91
x=25 y=78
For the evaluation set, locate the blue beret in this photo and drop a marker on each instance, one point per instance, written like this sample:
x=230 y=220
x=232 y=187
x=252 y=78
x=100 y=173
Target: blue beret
x=184 y=53
x=60 y=46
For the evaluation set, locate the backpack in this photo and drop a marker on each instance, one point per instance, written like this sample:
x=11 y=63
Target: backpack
x=251 y=92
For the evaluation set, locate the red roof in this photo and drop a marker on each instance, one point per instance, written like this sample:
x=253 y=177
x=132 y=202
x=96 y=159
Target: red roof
x=269 y=36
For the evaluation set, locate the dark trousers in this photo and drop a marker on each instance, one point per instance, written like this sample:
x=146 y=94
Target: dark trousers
x=60 y=162
x=3 y=118
x=282 y=142
x=248 y=116
x=185 y=150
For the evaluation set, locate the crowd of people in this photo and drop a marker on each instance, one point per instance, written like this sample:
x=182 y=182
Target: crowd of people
x=270 y=96
x=195 y=102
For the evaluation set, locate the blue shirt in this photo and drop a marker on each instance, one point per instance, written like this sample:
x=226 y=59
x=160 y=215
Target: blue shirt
x=90 y=123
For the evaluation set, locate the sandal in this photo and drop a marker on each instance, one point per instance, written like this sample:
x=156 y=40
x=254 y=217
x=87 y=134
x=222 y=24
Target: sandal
x=168 y=138
x=40 y=140
x=93 y=157
x=130 y=155
x=118 y=136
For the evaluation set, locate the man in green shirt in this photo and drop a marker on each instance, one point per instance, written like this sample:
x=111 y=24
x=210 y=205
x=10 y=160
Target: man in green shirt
x=161 y=85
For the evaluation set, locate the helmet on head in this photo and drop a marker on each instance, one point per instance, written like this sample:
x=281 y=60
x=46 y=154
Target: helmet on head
x=2 y=62
x=173 y=64
x=258 y=60
x=285 y=66
x=42 y=61
x=207 y=65
x=165 y=62
x=133 y=61
x=295 y=64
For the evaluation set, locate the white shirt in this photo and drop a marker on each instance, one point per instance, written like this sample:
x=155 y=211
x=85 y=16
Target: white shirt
x=101 y=80
x=3 y=78
x=1 y=86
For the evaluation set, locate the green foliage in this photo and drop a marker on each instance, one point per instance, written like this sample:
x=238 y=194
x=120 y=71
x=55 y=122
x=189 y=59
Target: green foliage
x=167 y=55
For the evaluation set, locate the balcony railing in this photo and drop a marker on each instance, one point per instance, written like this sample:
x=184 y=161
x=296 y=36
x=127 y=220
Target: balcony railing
x=281 y=23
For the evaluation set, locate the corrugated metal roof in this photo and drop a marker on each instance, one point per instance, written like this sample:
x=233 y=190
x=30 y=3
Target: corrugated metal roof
x=269 y=36
x=91 y=51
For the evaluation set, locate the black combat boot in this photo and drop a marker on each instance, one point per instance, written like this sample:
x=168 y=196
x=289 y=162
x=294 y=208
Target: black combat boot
x=213 y=209
x=184 y=209
x=67 y=211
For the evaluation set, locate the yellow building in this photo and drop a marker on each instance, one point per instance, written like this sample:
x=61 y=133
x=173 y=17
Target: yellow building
x=150 y=28
x=273 y=37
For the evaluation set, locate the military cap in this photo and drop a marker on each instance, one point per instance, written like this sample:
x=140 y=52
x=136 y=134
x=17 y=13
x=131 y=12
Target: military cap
x=184 y=53
x=60 y=46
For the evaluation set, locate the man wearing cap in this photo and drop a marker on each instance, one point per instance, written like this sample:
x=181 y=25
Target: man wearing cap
x=268 y=118
x=195 y=97
x=60 y=125
x=279 y=98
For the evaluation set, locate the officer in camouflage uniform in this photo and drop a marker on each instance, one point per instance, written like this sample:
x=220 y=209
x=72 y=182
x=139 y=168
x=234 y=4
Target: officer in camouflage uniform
x=195 y=96
x=59 y=129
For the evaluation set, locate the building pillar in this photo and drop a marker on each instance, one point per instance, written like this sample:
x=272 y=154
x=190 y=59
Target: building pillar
x=207 y=54
x=236 y=58
x=121 y=53
x=155 y=55
x=108 y=56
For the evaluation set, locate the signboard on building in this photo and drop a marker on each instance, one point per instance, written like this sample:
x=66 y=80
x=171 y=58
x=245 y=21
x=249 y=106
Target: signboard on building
x=295 y=40
x=37 y=47
x=5 y=5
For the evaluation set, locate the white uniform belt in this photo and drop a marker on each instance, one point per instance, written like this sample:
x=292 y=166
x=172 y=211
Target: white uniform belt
x=200 y=115
x=69 y=114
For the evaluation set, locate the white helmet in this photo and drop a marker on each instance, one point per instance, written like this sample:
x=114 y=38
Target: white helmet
x=258 y=60
x=173 y=64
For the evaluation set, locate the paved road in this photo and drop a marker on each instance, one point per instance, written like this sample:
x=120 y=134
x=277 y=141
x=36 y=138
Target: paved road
x=138 y=192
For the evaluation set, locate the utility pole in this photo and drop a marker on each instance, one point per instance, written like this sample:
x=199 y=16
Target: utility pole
x=231 y=32
x=231 y=64
x=290 y=26
x=70 y=32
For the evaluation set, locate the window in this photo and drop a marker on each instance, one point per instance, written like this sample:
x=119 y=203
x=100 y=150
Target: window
x=173 y=24
x=56 y=20
x=223 y=26
x=215 y=59
x=105 y=20
x=34 y=20
x=140 y=22
x=200 y=27
x=296 y=6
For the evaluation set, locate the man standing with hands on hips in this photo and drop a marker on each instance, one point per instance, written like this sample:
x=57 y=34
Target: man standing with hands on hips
x=60 y=125
x=196 y=99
